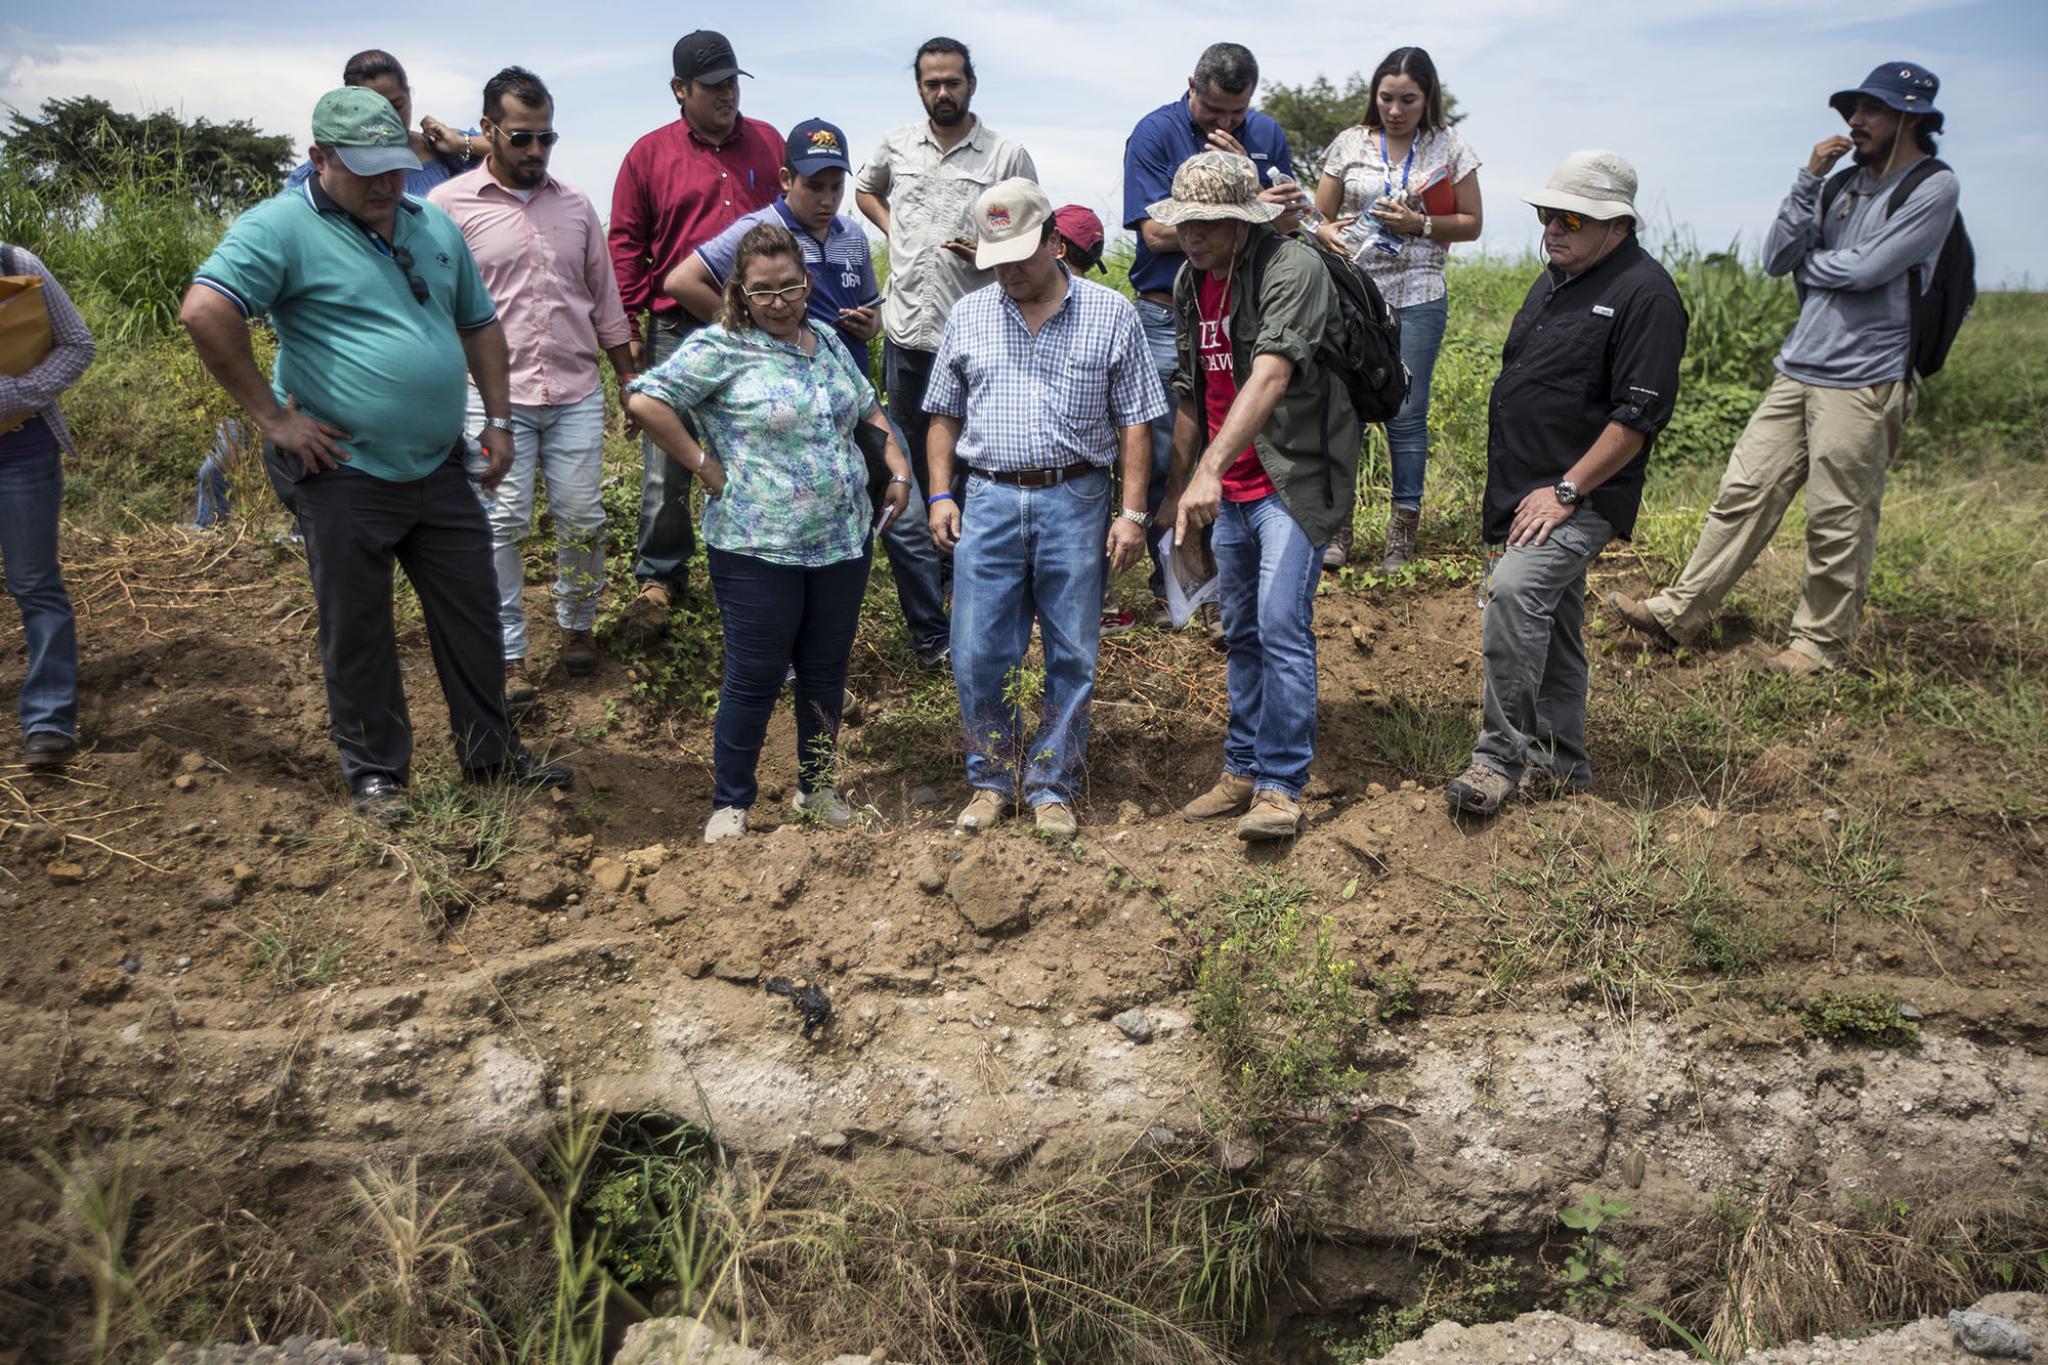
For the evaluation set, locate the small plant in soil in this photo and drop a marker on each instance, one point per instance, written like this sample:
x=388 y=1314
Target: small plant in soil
x=1594 y=1269
x=1278 y=1002
x=285 y=952
x=1458 y=1288
x=1853 y=867
x=1871 y=1017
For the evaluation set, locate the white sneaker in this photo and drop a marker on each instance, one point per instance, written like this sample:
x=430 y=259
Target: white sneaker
x=727 y=822
x=826 y=807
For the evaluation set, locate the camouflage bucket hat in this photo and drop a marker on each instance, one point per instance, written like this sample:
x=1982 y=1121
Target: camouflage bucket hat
x=1212 y=185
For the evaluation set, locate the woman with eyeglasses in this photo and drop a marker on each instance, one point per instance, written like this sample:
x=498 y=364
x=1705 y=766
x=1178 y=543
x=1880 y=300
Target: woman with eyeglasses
x=786 y=516
x=1396 y=191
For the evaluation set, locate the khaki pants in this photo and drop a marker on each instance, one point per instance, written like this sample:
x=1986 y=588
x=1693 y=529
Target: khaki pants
x=1838 y=443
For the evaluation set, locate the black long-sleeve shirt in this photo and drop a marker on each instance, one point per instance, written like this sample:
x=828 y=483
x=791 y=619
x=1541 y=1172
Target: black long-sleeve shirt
x=1598 y=347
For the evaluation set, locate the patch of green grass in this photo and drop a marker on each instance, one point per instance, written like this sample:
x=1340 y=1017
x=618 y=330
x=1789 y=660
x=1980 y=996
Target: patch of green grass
x=1631 y=923
x=291 y=954
x=1283 y=1008
x=1853 y=867
x=1870 y=1017
x=458 y=831
x=1425 y=742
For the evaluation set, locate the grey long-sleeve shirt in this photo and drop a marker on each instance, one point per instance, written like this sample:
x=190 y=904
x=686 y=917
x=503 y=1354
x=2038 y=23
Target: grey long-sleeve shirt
x=1853 y=327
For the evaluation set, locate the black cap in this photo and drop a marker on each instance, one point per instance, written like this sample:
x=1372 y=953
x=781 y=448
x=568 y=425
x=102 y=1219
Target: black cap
x=706 y=56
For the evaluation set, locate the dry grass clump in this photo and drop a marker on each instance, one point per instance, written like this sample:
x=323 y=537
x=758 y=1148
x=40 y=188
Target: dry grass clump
x=1792 y=1264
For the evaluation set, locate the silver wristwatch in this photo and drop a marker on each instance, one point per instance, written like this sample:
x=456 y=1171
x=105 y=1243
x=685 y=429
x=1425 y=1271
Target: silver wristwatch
x=1135 y=518
x=501 y=423
x=1567 y=493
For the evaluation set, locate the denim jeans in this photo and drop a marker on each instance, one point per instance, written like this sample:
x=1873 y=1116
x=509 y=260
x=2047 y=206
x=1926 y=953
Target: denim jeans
x=563 y=444
x=776 y=616
x=1157 y=320
x=1025 y=553
x=31 y=491
x=666 y=538
x=1422 y=336
x=1534 y=707
x=1267 y=570
x=916 y=563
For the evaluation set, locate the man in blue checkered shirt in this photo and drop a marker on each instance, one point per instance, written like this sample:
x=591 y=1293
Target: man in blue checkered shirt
x=1041 y=383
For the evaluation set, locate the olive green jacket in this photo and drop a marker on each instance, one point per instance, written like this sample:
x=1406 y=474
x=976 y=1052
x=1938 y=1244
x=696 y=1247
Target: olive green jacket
x=1309 y=446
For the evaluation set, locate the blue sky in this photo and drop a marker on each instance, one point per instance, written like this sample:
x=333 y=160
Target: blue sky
x=1716 y=101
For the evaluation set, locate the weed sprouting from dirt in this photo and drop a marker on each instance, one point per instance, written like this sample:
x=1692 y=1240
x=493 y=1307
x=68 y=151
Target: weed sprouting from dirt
x=1630 y=922
x=292 y=954
x=1459 y=1287
x=457 y=831
x=1871 y=1017
x=1854 y=867
x=420 y=1253
x=1278 y=1002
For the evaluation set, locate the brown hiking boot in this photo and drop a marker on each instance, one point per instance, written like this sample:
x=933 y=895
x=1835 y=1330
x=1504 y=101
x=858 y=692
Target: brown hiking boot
x=1272 y=816
x=1479 y=790
x=985 y=810
x=1794 y=663
x=646 y=618
x=1401 y=527
x=1230 y=796
x=519 y=688
x=1338 y=552
x=1055 y=820
x=1638 y=617
x=579 y=653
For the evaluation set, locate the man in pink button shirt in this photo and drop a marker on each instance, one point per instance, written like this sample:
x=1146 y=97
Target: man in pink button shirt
x=543 y=257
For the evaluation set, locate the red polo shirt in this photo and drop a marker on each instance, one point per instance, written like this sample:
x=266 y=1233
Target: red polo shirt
x=676 y=192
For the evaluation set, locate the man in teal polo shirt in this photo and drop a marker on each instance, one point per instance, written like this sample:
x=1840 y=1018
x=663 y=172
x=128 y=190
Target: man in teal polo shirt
x=379 y=312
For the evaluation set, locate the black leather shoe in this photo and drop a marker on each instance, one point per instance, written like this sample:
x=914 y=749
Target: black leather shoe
x=525 y=769
x=47 y=749
x=382 y=799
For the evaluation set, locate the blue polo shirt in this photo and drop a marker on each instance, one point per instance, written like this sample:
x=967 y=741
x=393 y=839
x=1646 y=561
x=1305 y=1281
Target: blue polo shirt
x=842 y=267
x=355 y=347
x=1162 y=140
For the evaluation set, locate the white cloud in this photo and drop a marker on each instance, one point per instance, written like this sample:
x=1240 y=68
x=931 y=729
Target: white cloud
x=1716 y=100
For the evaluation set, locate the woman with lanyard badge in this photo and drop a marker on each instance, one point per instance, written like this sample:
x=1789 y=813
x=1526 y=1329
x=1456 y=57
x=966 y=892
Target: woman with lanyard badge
x=1396 y=190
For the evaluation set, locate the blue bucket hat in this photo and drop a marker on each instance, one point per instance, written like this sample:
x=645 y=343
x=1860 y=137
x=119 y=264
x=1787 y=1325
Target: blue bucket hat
x=1907 y=87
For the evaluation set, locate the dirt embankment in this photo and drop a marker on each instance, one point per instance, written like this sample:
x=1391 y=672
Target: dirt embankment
x=203 y=944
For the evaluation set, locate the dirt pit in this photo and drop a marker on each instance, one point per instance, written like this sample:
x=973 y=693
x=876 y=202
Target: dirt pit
x=1775 y=984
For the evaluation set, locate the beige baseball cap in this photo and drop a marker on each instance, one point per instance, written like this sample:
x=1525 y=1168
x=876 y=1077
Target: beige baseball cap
x=1009 y=222
x=1599 y=185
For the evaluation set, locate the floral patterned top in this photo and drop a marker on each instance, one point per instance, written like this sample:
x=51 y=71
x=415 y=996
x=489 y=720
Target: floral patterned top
x=1416 y=275
x=781 y=423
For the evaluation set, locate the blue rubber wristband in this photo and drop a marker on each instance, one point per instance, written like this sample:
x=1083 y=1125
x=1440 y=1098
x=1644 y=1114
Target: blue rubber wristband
x=938 y=497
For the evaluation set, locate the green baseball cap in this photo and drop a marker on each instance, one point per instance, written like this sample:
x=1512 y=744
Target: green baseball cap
x=364 y=131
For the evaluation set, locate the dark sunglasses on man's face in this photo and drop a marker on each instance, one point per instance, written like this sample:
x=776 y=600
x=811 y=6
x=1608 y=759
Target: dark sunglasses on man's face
x=524 y=136
x=419 y=286
x=1572 y=221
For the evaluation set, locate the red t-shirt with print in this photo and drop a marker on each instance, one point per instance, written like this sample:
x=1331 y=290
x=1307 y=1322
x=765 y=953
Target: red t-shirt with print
x=1245 y=480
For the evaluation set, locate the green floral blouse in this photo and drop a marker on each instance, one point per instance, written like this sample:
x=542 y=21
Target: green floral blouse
x=781 y=423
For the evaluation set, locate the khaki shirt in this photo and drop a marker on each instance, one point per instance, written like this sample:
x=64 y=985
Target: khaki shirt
x=931 y=196
x=1309 y=447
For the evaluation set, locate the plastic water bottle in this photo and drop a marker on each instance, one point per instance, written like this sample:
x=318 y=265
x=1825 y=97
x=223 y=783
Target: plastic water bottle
x=1310 y=219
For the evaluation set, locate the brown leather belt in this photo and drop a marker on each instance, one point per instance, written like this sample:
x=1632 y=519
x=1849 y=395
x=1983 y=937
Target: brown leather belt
x=1037 y=478
x=1158 y=296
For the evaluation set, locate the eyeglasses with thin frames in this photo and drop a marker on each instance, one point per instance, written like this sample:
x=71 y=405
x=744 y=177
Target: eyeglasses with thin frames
x=789 y=293
x=403 y=259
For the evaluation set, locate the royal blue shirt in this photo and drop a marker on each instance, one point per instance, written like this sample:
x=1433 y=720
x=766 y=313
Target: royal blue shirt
x=1162 y=140
x=841 y=267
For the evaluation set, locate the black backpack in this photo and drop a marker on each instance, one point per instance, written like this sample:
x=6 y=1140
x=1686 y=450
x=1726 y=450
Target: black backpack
x=1365 y=348
x=1937 y=307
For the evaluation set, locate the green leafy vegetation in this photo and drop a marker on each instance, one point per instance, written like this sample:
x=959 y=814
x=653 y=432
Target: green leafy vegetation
x=1870 y=1017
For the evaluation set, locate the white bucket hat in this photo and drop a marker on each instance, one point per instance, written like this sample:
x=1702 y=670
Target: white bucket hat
x=1598 y=185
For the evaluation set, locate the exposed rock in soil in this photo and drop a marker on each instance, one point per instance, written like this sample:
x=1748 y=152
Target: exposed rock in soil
x=688 y=1341
x=1550 y=1336
x=295 y=1351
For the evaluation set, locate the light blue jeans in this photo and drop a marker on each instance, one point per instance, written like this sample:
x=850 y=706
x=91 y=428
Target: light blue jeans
x=31 y=491
x=1422 y=336
x=563 y=444
x=1025 y=553
x=1267 y=569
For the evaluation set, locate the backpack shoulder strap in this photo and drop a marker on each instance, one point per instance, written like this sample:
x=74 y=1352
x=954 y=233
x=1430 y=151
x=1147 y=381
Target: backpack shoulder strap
x=1927 y=166
x=1832 y=191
